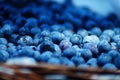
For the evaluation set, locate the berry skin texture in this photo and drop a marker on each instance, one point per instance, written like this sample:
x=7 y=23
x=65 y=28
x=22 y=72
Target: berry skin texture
x=116 y=38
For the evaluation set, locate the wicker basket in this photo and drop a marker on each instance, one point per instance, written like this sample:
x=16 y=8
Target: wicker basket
x=43 y=71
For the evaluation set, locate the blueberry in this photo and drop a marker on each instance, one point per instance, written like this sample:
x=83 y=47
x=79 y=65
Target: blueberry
x=31 y=22
x=7 y=29
x=104 y=37
x=77 y=60
x=45 y=56
x=4 y=55
x=3 y=41
x=117 y=62
x=26 y=51
x=104 y=59
x=83 y=32
x=69 y=52
x=46 y=46
x=92 y=47
x=104 y=46
x=64 y=44
x=86 y=54
x=76 y=39
x=109 y=66
x=21 y=61
x=67 y=33
x=109 y=33
x=92 y=62
x=54 y=61
x=90 y=24
x=3 y=47
x=56 y=37
x=92 y=38
x=113 y=53
x=35 y=30
x=96 y=31
x=12 y=50
x=116 y=38
x=44 y=19
x=25 y=40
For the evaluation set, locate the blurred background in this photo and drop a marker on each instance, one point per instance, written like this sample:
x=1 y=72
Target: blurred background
x=100 y=6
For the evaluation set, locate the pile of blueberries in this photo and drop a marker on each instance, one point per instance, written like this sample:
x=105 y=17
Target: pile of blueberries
x=58 y=34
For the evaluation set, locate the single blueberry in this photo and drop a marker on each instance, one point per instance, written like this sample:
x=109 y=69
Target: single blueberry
x=76 y=39
x=109 y=66
x=24 y=30
x=36 y=55
x=45 y=56
x=82 y=32
x=113 y=53
x=31 y=22
x=92 y=38
x=69 y=52
x=57 y=50
x=86 y=54
x=35 y=30
x=104 y=46
x=26 y=51
x=58 y=28
x=109 y=32
x=3 y=41
x=46 y=46
x=104 y=59
x=77 y=60
x=4 y=55
x=96 y=31
x=64 y=44
x=92 y=61
x=56 y=37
